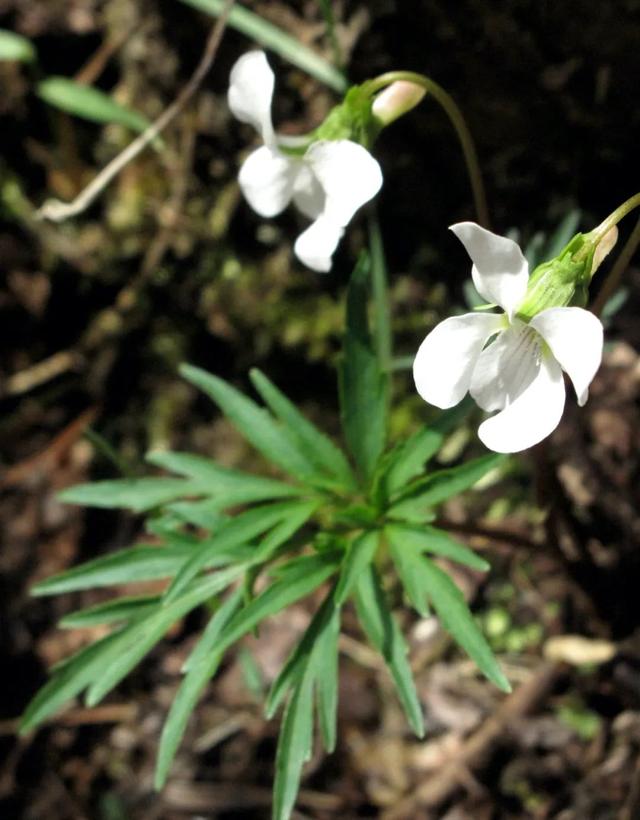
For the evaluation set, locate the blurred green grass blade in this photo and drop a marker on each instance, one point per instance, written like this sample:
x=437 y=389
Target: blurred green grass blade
x=359 y=556
x=199 y=668
x=270 y=36
x=317 y=447
x=255 y=423
x=381 y=302
x=437 y=542
x=89 y=103
x=327 y=12
x=16 y=47
x=452 y=609
x=109 y=612
x=294 y=748
x=385 y=635
x=363 y=385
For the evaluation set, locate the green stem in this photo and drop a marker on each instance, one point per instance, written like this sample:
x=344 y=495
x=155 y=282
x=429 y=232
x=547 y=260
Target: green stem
x=604 y=227
x=460 y=126
x=614 y=276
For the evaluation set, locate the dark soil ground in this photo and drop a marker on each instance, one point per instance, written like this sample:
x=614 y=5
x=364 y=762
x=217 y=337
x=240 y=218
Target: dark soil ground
x=170 y=265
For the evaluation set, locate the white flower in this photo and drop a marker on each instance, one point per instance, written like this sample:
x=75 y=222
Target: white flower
x=328 y=181
x=520 y=372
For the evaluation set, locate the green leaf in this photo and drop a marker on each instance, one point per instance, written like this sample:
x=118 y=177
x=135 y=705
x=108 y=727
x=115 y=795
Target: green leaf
x=255 y=423
x=298 y=660
x=197 y=669
x=297 y=517
x=271 y=37
x=294 y=748
x=325 y=659
x=317 y=447
x=433 y=540
x=385 y=635
x=89 y=103
x=408 y=562
x=363 y=387
x=148 y=631
x=15 y=47
x=425 y=493
x=141 y=563
x=234 y=533
x=119 y=610
x=456 y=618
x=381 y=304
x=137 y=494
x=411 y=456
x=360 y=555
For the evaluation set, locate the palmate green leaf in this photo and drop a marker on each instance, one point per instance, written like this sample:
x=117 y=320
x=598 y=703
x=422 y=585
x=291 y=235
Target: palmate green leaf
x=149 y=630
x=197 y=669
x=232 y=534
x=89 y=103
x=299 y=658
x=294 y=747
x=16 y=47
x=109 y=612
x=301 y=580
x=410 y=457
x=432 y=540
x=317 y=447
x=456 y=618
x=140 y=563
x=85 y=667
x=278 y=41
x=385 y=635
x=255 y=423
x=297 y=517
x=136 y=494
x=359 y=556
x=426 y=493
x=363 y=387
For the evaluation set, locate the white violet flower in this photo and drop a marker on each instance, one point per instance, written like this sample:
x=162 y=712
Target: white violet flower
x=519 y=373
x=328 y=181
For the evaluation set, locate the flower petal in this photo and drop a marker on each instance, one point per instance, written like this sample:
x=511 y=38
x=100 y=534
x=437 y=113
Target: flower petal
x=532 y=416
x=506 y=367
x=316 y=245
x=500 y=272
x=445 y=360
x=267 y=179
x=575 y=338
x=349 y=175
x=250 y=92
x=308 y=195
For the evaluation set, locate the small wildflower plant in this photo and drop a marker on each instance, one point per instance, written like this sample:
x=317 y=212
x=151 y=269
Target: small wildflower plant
x=340 y=526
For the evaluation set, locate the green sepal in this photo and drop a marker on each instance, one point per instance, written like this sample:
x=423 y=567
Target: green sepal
x=351 y=119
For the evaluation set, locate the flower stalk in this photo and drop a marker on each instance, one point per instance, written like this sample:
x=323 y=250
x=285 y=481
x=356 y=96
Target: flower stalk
x=458 y=122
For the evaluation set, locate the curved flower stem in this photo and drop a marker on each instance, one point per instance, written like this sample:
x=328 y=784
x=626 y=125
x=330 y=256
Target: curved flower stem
x=620 y=212
x=452 y=111
x=615 y=274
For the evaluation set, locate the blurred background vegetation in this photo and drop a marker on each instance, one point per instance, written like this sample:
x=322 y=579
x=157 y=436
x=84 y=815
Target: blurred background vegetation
x=171 y=265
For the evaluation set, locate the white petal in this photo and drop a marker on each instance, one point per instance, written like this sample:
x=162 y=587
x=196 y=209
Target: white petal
x=349 y=175
x=532 y=416
x=267 y=179
x=250 y=92
x=308 y=195
x=316 y=245
x=575 y=338
x=500 y=272
x=506 y=367
x=445 y=360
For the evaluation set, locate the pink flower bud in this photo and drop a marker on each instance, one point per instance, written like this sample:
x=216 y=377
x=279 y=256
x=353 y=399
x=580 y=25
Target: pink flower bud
x=396 y=100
